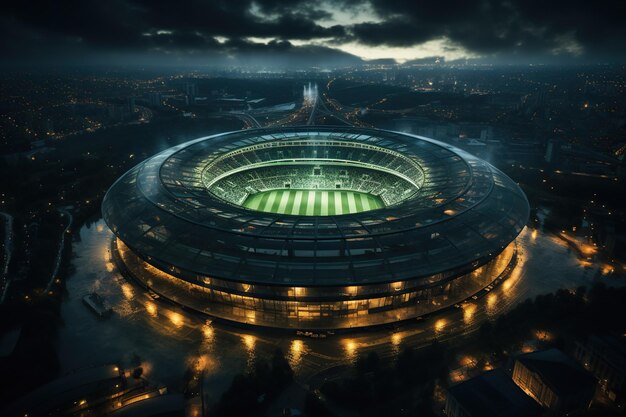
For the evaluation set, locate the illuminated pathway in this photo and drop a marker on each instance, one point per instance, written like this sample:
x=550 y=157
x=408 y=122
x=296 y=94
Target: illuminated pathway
x=166 y=340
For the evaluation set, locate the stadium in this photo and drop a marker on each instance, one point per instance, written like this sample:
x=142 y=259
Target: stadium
x=315 y=228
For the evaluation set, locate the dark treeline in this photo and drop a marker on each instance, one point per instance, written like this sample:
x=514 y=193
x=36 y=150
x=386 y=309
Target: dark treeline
x=407 y=385
x=251 y=393
x=403 y=387
x=568 y=315
x=34 y=360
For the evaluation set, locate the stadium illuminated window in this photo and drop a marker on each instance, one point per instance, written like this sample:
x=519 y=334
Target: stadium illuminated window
x=316 y=227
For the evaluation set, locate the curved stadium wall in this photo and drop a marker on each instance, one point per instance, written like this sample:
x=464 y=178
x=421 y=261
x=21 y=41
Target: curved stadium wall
x=316 y=227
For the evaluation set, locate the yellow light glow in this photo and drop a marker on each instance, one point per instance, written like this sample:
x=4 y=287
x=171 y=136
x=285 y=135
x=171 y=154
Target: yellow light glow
x=543 y=335
x=250 y=316
x=607 y=269
x=468 y=312
x=533 y=235
x=457 y=375
x=249 y=341
x=440 y=325
x=296 y=346
x=208 y=332
x=176 y=319
x=296 y=352
x=106 y=255
x=396 y=339
x=201 y=363
x=587 y=249
x=151 y=308
x=350 y=348
x=468 y=361
x=127 y=290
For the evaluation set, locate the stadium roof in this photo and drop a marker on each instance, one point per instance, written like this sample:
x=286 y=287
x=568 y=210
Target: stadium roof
x=464 y=214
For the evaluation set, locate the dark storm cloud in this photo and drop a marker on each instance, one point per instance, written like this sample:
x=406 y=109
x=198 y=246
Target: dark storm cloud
x=527 y=27
x=523 y=28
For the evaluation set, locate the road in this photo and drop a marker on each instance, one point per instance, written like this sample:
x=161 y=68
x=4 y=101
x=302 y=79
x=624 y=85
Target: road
x=545 y=264
x=247 y=118
x=59 y=256
x=6 y=256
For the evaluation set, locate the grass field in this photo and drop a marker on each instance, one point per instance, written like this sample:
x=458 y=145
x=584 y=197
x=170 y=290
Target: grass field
x=312 y=202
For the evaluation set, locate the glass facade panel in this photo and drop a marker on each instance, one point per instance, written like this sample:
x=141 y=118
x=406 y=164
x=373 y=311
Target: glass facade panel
x=445 y=213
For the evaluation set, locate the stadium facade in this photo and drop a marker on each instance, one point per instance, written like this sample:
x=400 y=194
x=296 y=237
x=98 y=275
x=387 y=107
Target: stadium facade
x=315 y=227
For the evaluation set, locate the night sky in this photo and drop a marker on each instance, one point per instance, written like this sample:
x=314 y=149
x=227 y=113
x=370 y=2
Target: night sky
x=310 y=33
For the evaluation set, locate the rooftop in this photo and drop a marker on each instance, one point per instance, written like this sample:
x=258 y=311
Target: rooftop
x=494 y=394
x=557 y=370
x=463 y=213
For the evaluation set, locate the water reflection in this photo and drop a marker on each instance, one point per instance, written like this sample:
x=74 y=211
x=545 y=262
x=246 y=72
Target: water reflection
x=176 y=319
x=515 y=276
x=249 y=341
x=469 y=310
x=396 y=342
x=169 y=341
x=350 y=348
x=128 y=291
x=208 y=334
x=151 y=308
x=440 y=326
x=297 y=350
x=492 y=299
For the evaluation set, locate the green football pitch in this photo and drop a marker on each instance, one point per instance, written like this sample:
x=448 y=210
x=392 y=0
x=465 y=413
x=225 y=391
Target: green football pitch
x=312 y=202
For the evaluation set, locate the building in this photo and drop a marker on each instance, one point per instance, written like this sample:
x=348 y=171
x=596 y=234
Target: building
x=491 y=394
x=605 y=357
x=71 y=394
x=97 y=391
x=315 y=227
x=155 y=99
x=169 y=405
x=191 y=89
x=554 y=380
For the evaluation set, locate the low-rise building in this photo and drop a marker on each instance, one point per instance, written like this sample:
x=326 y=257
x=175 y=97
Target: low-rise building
x=491 y=394
x=554 y=380
x=605 y=357
x=72 y=394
